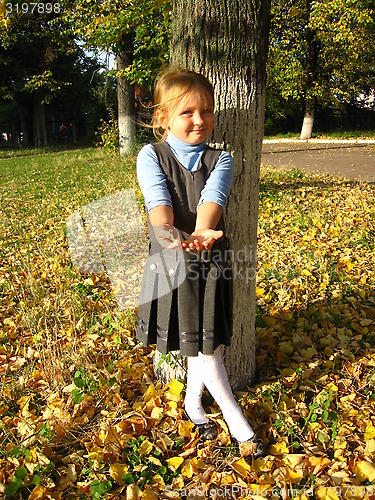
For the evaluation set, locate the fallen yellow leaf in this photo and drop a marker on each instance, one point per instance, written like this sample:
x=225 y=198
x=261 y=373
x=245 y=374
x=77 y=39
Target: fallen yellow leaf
x=228 y=479
x=175 y=387
x=132 y=492
x=198 y=463
x=157 y=482
x=150 y=394
x=295 y=458
x=117 y=471
x=38 y=493
x=370 y=447
x=145 y=448
x=286 y=348
x=157 y=413
x=175 y=462
x=242 y=467
x=369 y=432
x=327 y=493
x=187 y=469
x=331 y=387
x=278 y=448
x=185 y=428
x=149 y=495
x=365 y=470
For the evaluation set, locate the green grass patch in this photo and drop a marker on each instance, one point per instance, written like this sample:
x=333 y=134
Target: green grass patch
x=353 y=134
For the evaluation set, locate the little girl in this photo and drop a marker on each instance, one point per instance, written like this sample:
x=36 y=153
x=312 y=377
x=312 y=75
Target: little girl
x=185 y=185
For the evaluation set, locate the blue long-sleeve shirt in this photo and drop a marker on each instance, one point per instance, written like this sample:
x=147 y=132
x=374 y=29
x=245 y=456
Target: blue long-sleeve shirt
x=152 y=180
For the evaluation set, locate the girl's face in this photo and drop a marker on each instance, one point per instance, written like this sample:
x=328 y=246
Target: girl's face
x=192 y=120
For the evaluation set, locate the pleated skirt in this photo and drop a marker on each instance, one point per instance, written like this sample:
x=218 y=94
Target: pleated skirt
x=185 y=304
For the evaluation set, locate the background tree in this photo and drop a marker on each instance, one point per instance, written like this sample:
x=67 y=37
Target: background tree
x=227 y=41
x=44 y=75
x=137 y=32
x=320 y=52
x=28 y=57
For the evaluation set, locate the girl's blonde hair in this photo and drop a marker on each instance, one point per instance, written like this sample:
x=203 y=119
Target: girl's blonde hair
x=171 y=87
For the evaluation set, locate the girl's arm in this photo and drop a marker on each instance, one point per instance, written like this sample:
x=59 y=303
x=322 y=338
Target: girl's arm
x=151 y=179
x=208 y=215
x=161 y=216
x=213 y=199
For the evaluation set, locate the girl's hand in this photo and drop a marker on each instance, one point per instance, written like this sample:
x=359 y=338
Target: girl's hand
x=167 y=237
x=202 y=239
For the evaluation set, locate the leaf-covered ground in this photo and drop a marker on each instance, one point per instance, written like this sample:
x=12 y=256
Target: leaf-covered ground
x=83 y=417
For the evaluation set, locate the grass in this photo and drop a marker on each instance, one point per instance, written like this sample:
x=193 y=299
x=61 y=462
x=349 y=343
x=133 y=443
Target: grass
x=354 y=134
x=44 y=295
x=77 y=397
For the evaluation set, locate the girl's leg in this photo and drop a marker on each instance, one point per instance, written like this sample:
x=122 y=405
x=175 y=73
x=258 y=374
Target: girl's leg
x=212 y=371
x=194 y=391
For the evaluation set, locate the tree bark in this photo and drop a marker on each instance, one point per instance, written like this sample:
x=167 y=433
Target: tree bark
x=311 y=64
x=308 y=120
x=24 y=125
x=227 y=41
x=125 y=99
x=39 y=122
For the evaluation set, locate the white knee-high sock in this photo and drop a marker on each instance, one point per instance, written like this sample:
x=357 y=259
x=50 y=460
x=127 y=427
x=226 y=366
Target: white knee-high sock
x=215 y=378
x=194 y=391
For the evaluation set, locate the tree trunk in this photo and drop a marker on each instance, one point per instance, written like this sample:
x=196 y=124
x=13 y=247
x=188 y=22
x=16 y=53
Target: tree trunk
x=311 y=64
x=39 y=122
x=308 y=120
x=125 y=99
x=227 y=41
x=24 y=125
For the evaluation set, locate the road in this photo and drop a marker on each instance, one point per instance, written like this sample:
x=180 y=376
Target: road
x=353 y=160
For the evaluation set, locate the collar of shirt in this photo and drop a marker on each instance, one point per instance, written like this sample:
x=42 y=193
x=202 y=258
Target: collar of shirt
x=187 y=154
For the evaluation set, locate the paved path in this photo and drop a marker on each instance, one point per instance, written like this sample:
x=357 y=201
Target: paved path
x=351 y=159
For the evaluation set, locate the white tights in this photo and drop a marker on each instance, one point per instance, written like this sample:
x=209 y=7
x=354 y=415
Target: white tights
x=209 y=370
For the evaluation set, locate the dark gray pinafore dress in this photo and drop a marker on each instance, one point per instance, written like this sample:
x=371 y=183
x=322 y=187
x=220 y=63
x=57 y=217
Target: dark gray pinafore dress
x=195 y=315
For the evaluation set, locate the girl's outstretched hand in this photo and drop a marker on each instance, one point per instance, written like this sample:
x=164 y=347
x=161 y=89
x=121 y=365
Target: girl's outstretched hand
x=167 y=237
x=202 y=239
